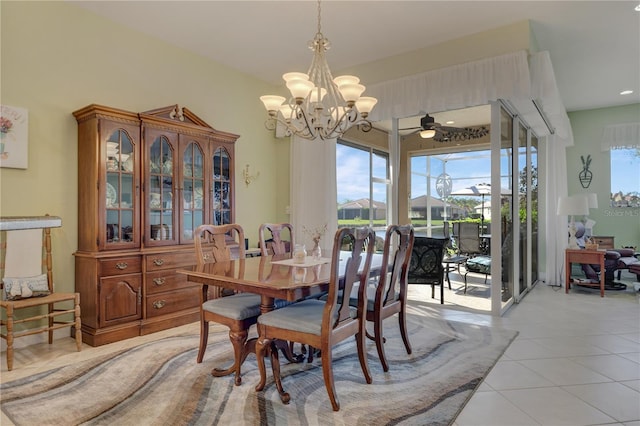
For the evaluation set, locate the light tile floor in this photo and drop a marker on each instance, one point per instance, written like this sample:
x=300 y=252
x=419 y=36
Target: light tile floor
x=576 y=360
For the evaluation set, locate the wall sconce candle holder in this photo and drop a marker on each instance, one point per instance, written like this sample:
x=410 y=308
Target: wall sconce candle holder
x=247 y=176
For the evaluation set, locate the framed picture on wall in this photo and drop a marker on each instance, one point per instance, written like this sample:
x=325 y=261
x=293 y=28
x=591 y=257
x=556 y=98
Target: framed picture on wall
x=14 y=140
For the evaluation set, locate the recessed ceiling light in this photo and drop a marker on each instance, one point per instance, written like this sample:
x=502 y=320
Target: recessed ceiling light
x=638 y=8
x=626 y=92
x=450 y=122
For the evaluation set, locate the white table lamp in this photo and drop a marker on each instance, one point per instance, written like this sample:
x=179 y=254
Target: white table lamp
x=571 y=206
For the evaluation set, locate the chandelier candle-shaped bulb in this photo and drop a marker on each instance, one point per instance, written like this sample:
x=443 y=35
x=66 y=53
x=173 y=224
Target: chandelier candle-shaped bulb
x=272 y=103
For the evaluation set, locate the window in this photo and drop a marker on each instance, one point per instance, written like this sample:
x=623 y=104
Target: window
x=625 y=177
x=440 y=189
x=362 y=179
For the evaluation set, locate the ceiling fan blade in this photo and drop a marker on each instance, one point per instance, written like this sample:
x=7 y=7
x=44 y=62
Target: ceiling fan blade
x=451 y=129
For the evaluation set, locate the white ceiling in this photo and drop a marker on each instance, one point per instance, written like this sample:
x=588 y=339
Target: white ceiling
x=594 y=45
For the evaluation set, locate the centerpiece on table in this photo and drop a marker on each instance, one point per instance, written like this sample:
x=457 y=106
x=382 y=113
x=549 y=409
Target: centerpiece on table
x=316 y=235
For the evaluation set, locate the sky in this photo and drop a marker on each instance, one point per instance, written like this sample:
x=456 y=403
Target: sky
x=465 y=169
x=625 y=171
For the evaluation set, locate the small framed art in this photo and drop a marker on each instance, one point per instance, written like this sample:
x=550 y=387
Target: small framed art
x=14 y=137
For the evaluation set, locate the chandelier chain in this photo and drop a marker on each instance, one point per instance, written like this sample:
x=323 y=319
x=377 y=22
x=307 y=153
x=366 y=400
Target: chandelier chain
x=319 y=15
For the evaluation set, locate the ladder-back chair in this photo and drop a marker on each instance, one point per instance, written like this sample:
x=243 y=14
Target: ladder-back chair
x=26 y=269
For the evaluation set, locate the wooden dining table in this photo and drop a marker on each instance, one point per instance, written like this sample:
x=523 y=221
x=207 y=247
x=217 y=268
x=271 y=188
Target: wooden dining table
x=272 y=277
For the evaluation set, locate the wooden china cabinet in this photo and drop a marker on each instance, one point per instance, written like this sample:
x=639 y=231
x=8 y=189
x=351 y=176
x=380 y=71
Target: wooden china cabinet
x=146 y=181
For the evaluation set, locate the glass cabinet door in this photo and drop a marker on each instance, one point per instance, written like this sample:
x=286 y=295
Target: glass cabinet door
x=120 y=195
x=193 y=193
x=221 y=180
x=161 y=191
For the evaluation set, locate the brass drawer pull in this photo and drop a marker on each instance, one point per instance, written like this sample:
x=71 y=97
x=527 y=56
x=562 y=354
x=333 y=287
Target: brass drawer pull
x=122 y=265
x=158 y=262
x=159 y=304
x=159 y=281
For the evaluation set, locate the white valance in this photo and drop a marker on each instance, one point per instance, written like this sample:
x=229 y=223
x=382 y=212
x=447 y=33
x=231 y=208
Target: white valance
x=516 y=77
x=459 y=86
x=621 y=136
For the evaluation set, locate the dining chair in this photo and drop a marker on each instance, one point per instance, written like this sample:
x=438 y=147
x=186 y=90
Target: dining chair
x=275 y=245
x=387 y=295
x=323 y=323
x=26 y=283
x=236 y=311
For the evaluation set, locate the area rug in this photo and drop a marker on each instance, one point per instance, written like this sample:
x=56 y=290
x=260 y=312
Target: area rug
x=160 y=383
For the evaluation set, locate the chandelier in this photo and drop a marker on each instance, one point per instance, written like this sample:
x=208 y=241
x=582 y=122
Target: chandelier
x=320 y=106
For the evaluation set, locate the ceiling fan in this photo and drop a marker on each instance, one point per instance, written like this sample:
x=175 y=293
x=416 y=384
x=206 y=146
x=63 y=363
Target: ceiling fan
x=430 y=129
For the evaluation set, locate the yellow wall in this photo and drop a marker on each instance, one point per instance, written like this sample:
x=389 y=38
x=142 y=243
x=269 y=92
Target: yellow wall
x=57 y=58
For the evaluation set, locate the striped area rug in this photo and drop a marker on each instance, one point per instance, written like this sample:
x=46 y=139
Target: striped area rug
x=160 y=383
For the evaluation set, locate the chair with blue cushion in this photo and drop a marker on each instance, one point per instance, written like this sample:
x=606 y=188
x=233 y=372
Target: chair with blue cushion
x=387 y=295
x=323 y=323
x=238 y=311
x=480 y=265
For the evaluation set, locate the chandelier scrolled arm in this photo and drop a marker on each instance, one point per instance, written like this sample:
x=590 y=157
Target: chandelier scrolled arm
x=320 y=106
x=321 y=126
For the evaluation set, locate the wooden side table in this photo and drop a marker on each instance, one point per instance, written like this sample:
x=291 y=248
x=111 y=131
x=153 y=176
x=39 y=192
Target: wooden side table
x=591 y=257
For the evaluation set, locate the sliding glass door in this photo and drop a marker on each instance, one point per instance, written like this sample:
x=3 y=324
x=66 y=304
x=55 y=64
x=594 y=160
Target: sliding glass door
x=518 y=209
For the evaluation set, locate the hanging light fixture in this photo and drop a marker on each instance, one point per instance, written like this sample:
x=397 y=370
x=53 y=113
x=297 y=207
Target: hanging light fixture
x=320 y=106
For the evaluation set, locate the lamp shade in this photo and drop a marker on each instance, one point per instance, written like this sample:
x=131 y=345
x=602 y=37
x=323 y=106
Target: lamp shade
x=346 y=79
x=351 y=92
x=295 y=76
x=272 y=102
x=299 y=88
x=573 y=205
x=365 y=104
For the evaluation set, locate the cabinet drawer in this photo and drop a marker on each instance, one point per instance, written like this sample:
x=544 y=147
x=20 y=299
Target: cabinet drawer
x=160 y=281
x=177 y=300
x=604 y=242
x=156 y=262
x=120 y=265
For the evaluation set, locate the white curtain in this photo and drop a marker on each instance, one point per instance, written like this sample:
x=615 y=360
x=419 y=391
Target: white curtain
x=556 y=226
x=313 y=190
